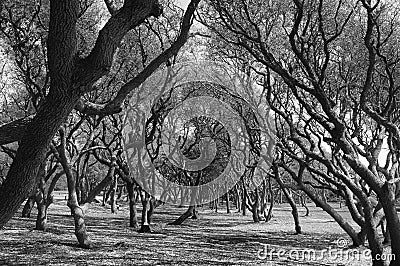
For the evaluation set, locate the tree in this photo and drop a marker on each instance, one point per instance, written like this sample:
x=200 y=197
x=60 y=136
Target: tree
x=71 y=76
x=334 y=65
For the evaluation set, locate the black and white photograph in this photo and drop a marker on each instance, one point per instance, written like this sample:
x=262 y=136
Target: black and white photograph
x=200 y=132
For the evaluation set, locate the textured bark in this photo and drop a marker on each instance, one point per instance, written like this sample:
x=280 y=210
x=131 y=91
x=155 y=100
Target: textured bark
x=31 y=152
x=56 y=107
x=14 y=131
x=41 y=219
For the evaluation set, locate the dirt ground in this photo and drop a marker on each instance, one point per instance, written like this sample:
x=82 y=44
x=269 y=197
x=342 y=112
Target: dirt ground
x=214 y=239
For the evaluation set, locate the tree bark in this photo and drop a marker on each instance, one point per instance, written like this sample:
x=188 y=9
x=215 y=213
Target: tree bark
x=289 y=198
x=113 y=200
x=26 y=211
x=41 y=220
x=133 y=222
x=145 y=225
x=30 y=154
x=392 y=220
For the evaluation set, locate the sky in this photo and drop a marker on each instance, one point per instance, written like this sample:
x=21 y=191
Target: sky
x=183 y=3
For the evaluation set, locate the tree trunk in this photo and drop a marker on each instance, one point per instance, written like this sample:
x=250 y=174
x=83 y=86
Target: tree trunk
x=336 y=216
x=77 y=212
x=113 y=200
x=41 y=219
x=40 y=198
x=145 y=226
x=372 y=234
x=295 y=213
x=228 y=210
x=21 y=177
x=387 y=198
x=30 y=202
x=256 y=215
x=133 y=222
x=289 y=198
x=151 y=209
x=268 y=217
x=304 y=204
x=191 y=209
x=237 y=199
x=244 y=200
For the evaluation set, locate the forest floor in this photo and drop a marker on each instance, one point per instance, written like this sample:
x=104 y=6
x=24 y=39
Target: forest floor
x=213 y=239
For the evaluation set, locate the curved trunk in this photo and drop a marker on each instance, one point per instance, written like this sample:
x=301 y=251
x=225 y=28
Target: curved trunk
x=41 y=220
x=289 y=198
x=304 y=204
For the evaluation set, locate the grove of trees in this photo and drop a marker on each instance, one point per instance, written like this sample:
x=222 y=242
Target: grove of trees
x=323 y=74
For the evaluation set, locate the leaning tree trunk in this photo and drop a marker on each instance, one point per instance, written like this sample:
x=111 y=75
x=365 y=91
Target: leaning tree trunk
x=332 y=212
x=370 y=228
x=289 y=198
x=31 y=153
